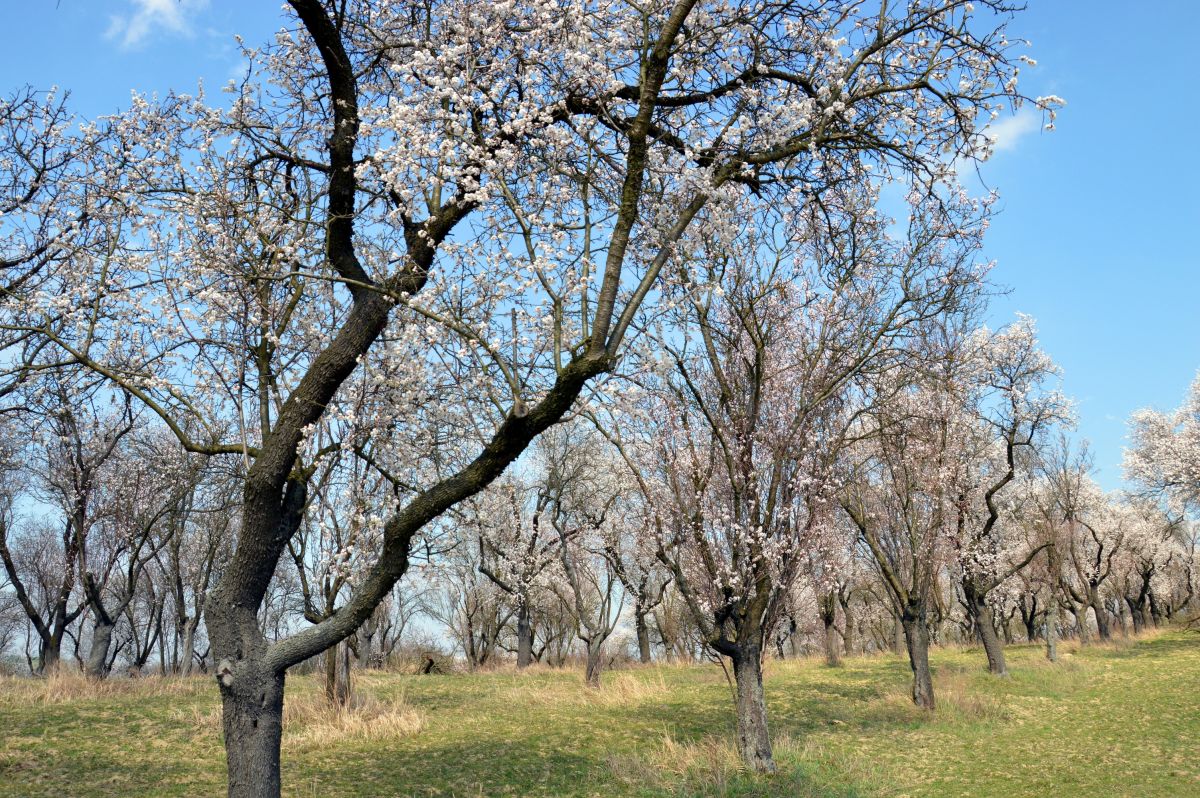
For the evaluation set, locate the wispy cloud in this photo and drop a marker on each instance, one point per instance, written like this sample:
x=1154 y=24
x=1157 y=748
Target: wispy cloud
x=150 y=17
x=1007 y=132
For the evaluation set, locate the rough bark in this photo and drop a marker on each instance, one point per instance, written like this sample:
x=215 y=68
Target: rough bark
x=1102 y=626
x=188 y=648
x=754 y=743
x=916 y=637
x=524 y=636
x=643 y=637
x=1135 y=614
x=828 y=616
x=96 y=665
x=849 y=638
x=252 y=715
x=595 y=665
x=366 y=641
x=1029 y=618
x=337 y=675
x=1051 y=629
x=985 y=627
x=51 y=656
x=1081 y=623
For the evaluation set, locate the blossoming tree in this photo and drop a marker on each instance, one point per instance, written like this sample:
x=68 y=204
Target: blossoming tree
x=485 y=194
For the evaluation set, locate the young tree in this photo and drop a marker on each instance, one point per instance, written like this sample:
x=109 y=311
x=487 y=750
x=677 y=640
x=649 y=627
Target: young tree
x=518 y=549
x=198 y=547
x=584 y=490
x=77 y=445
x=149 y=484
x=901 y=501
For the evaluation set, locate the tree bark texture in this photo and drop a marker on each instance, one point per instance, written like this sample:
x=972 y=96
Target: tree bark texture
x=252 y=719
x=985 y=627
x=754 y=743
x=916 y=637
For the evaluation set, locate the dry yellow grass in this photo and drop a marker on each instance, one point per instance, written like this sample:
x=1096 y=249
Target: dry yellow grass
x=66 y=685
x=618 y=689
x=309 y=719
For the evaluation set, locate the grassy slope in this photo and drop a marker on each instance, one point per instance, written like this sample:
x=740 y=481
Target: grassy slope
x=1113 y=721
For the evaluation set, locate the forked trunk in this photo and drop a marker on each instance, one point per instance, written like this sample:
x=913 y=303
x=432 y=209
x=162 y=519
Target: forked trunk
x=985 y=627
x=754 y=743
x=1081 y=623
x=849 y=638
x=1102 y=627
x=916 y=637
x=252 y=719
x=251 y=698
x=1135 y=615
x=595 y=664
x=1154 y=615
x=827 y=609
x=1030 y=622
x=366 y=646
x=50 y=658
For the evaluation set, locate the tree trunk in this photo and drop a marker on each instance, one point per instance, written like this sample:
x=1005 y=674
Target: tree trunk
x=643 y=637
x=337 y=674
x=97 y=659
x=849 y=640
x=1051 y=628
x=1030 y=626
x=898 y=635
x=916 y=636
x=1135 y=614
x=595 y=664
x=252 y=718
x=1081 y=622
x=366 y=642
x=189 y=645
x=51 y=656
x=1102 y=628
x=985 y=627
x=832 y=649
x=524 y=636
x=754 y=743
x=1151 y=611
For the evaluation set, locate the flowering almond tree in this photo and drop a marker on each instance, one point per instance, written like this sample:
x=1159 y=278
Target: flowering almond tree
x=481 y=195
x=1164 y=453
x=900 y=495
x=517 y=549
x=1014 y=410
x=754 y=401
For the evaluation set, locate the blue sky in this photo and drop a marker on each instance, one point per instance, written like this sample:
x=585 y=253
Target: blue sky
x=1095 y=238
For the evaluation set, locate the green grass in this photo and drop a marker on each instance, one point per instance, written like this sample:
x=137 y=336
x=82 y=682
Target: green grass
x=1121 y=720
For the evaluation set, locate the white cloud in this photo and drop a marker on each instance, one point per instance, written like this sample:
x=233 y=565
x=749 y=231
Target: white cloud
x=1008 y=131
x=149 y=17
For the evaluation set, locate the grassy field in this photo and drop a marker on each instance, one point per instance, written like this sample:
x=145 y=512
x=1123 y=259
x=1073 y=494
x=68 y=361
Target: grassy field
x=1119 y=720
